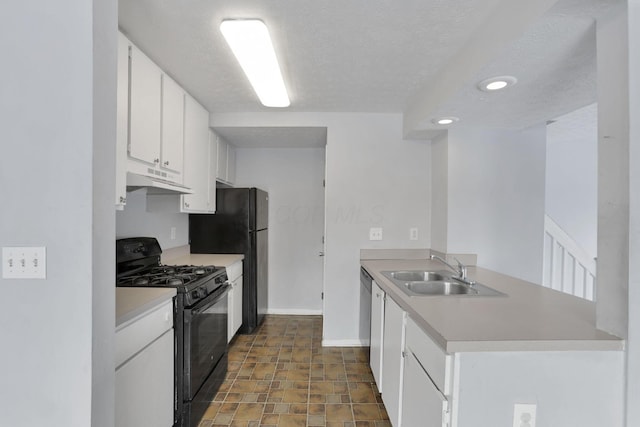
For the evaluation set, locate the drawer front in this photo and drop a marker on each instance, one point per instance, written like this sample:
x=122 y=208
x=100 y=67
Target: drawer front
x=138 y=333
x=435 y=361
x=234 y=271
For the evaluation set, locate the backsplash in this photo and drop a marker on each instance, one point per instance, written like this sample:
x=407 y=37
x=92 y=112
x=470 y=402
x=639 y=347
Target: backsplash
x=135 y=221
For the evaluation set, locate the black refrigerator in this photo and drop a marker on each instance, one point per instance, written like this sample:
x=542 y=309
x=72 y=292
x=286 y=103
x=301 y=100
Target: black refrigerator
x=239 y=226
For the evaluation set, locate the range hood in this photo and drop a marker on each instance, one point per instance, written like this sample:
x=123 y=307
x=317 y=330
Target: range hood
x=155 y=185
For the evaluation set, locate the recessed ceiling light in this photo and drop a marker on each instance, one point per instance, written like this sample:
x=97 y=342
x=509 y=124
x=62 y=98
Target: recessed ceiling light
x=444 y=120
x=251 y=44
x=497 y=83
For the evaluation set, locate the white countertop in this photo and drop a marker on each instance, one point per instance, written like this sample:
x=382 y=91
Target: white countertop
x=132 y=302
x=528 y=318
x=219 y=260
x=182 y=256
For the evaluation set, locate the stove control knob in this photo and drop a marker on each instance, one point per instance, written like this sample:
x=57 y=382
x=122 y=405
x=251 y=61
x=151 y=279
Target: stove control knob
x=195 y=294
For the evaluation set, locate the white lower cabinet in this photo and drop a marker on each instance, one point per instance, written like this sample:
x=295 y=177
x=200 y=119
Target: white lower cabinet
x=234 y=273
x=426 y=380
x=377 y=325
x=144 y=391
x=392 y=366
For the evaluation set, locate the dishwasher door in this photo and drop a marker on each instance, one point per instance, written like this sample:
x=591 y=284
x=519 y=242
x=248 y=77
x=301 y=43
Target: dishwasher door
x=365 y=306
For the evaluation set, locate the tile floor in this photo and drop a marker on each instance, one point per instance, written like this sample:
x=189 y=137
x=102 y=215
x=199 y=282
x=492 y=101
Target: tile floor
x=282 y=376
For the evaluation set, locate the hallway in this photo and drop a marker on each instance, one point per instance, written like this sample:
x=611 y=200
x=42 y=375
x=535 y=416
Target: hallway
x=282 y=376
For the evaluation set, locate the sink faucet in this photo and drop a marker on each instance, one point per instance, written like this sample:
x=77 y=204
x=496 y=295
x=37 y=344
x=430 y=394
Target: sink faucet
x=461 y=270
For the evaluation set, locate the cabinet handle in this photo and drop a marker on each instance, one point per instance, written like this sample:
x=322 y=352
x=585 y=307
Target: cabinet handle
x=186 y=205
x=156 y=160
x=166 y=163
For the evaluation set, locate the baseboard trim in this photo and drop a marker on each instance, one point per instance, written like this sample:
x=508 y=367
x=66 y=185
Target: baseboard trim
x=294 y=311
x=344 y=343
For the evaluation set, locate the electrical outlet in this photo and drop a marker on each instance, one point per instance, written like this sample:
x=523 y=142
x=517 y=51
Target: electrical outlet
x=413 y=234
x=24 y=263
x=173 y=233
x=524 y=415
x=375 y=233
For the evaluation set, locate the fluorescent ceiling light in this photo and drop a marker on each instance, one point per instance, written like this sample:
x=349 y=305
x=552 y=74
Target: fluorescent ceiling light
x=250 y=42
x=497 y=83
x=445 y=120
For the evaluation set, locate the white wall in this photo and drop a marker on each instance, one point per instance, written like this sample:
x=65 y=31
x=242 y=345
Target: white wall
x=571 y=196
x=439 y=193
x=58 y=349
x=496 y=198
x=135 y=221
x=374 y=179
x=293 y=178
x=633 y=304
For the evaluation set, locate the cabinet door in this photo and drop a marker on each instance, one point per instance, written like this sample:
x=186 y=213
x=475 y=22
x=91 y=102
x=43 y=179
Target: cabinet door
x=196 y=156
x=145 y=113
x=222 y=159
x=122 y=135
x=213 y=170
x=377 y=322
x=237 y=305
x=392 y=365
x=422 y=403
x=144 y=386
x=172 y=147
x=231 y=164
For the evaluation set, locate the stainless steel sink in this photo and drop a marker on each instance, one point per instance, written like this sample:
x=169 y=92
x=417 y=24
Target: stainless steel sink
x=436 y=283
x=418 y=276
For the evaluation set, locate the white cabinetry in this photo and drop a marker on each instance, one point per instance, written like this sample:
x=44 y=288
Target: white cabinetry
x=122 y=132
x=234 y=273
x=145 y=114
x=196 y=158
x=156 y=111
x=144 y=390
x=392 y=360
x=172 y=125
x=377 y=330
x=427 y=377
x=226 y=162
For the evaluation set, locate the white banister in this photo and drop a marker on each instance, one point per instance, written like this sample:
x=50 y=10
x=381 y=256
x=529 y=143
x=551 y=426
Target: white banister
x=567 y=267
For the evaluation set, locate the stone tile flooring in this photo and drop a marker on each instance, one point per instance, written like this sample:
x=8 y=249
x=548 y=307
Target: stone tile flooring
x=282 y=376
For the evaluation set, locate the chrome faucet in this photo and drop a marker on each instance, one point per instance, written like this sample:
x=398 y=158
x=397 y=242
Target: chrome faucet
x=461 y=270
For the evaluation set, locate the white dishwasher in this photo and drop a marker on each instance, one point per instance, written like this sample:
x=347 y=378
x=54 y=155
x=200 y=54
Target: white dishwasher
x=144 y=370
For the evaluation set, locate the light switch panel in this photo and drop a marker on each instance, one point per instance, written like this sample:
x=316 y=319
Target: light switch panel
x=24 y=263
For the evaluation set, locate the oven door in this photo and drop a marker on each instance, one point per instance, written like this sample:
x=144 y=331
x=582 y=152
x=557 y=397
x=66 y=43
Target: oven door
x=205 y=339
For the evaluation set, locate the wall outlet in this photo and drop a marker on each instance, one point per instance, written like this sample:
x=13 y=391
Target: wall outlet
x=524 y=415
x=173 y=233
x=24 y=263
x=413 y=234
x=375 y=233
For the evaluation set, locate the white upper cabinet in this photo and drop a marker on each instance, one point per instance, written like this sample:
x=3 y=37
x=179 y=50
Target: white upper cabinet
x=156 y=121
x=122 y=132
x=145 y=114
x=196 y=157
x=172 y=147
x=213 y=169
x=223 y=151
x=226 y=162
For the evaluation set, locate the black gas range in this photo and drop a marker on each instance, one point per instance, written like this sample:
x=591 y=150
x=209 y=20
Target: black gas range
x=200 y=321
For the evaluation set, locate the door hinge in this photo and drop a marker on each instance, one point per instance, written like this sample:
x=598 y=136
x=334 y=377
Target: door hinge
x=323 y=240
x=324 y=182
x=321 y=295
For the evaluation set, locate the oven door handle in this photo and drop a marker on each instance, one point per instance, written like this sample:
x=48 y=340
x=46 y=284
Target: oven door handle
x=212 y=299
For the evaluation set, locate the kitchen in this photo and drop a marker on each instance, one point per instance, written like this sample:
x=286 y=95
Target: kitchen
x=79 y=224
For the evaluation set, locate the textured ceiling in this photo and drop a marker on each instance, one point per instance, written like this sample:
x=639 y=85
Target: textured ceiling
x=274 y=137
x=371 y=56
